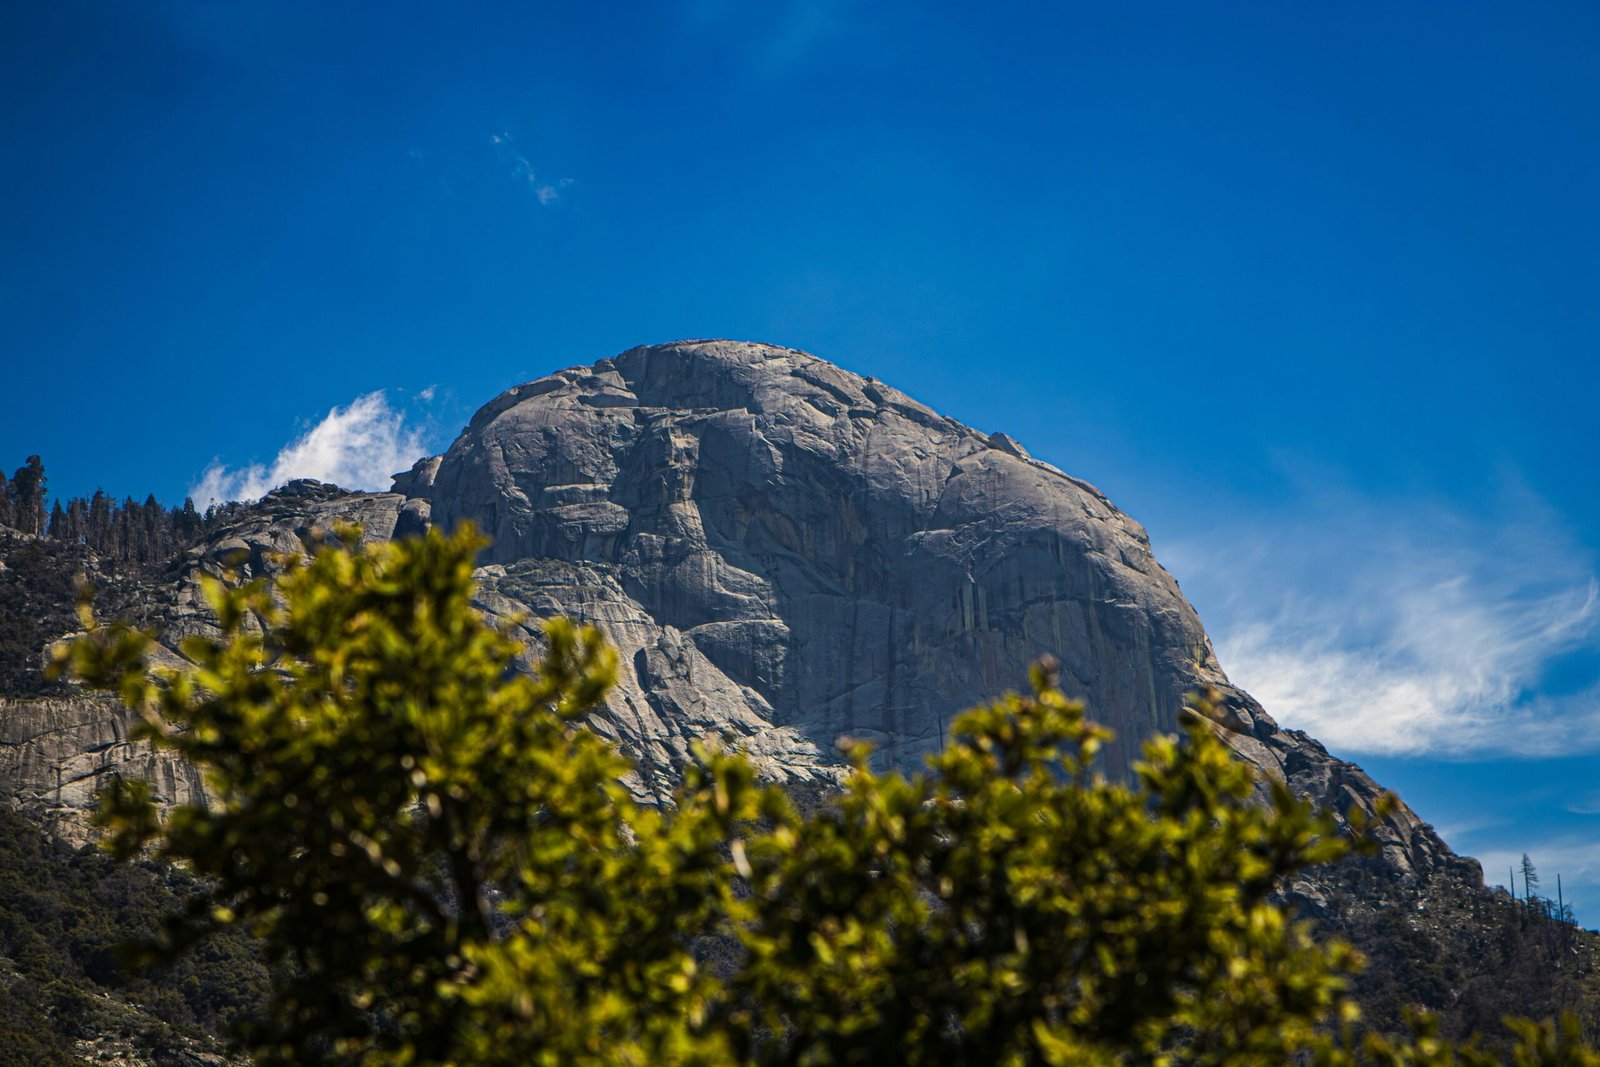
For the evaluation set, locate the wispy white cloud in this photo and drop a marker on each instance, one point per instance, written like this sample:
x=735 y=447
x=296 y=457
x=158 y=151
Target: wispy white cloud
x=1574 y=857
x=356 y=447
x=545 y=191
x=1585 y=805
x=1403 y=630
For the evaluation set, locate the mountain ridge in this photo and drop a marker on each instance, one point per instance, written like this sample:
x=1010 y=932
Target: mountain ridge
x=785 y=553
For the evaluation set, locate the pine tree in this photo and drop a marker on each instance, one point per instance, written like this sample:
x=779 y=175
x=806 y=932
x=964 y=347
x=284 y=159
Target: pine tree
x=100 y=522
x=152 y=518
x=132 y=534
x=78 y=519
x=28 y=487
x=129 y=531
x=185 y=524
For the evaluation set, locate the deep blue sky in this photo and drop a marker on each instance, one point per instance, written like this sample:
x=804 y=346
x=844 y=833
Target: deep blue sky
x=1314 y=293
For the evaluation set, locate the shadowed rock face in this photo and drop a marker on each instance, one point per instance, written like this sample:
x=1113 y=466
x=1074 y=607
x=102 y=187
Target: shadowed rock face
x=786 y=553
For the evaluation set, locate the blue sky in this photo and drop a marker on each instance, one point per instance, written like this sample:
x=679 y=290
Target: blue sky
x=1311 y=291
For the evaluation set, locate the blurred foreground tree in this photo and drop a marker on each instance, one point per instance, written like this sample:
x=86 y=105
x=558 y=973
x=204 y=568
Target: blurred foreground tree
x=445 y=869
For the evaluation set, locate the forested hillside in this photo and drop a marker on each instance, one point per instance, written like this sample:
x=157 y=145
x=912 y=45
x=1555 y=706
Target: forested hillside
x=66 y=984
x=1469 y=955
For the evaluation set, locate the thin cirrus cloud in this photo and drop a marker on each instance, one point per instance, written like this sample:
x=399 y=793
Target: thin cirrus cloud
x=1399 y=630
x=544 y=191
x=355 y=447
x=1585 y=805
x=1574 y=857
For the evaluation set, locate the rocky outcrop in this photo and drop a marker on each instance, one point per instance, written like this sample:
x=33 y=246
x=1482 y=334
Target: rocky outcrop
x=56 y=754
x=829 y=555
x=57 y=751
x=785 y=553
x=791 y=553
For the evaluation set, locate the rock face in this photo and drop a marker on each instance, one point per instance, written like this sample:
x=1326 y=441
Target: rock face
x=790 y=553
x=786 y=553
x=58 y=751
x=814 y=550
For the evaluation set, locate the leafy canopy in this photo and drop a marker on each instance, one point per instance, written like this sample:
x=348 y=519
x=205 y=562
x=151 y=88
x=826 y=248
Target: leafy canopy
x=445 y=868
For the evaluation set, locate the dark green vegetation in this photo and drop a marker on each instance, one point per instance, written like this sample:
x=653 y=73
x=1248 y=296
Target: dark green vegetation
x=447 y=871
x=112 y=545
x=36 y=607
x=38 y=590
x=128 y=532
x=63 y=915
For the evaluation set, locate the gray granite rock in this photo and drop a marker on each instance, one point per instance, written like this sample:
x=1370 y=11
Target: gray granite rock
x=785 y=554
x=790 y=554
x=56 y=754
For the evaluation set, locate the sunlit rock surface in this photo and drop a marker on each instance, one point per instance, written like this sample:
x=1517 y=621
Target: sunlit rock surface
x=785 y=554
